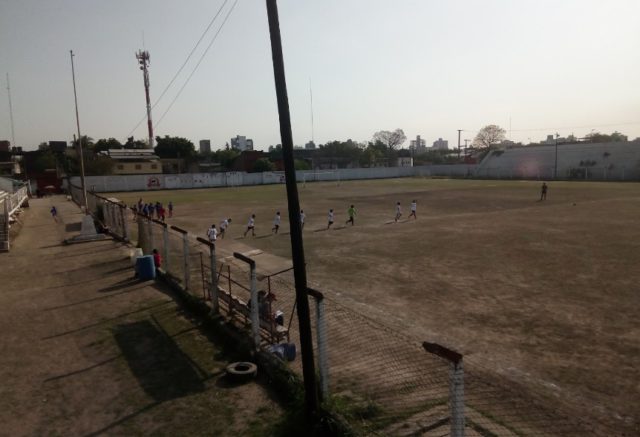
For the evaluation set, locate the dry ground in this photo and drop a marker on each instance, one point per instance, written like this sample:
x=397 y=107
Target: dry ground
x=542 y=292
x=87 y=350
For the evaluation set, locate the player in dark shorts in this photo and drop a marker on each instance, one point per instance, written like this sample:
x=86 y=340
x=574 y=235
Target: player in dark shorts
x=330 y=218
x=251 y=226
x=543 y=192
x=351 y=212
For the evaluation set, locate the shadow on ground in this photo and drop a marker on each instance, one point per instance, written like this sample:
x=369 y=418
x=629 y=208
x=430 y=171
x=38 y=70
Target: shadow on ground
x=163 y=371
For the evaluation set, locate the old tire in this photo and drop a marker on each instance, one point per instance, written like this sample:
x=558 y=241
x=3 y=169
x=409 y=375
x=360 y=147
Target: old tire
x=241 y=371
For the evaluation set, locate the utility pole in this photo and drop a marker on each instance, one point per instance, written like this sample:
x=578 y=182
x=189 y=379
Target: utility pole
x=13 y=135
x=143 y=59
x=297 y=249
x=75 y=96
x=459 y=132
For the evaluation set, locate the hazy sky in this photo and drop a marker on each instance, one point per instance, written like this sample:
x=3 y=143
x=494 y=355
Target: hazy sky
x=426 y=66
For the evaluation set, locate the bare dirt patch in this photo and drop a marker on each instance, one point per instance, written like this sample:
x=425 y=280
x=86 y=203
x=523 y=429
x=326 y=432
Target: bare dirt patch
x=543 y=293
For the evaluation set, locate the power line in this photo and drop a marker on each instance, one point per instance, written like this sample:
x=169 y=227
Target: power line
x=198 y=64
x=182 y=66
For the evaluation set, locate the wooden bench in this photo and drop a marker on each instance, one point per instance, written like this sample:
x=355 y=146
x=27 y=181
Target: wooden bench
x=275 y=332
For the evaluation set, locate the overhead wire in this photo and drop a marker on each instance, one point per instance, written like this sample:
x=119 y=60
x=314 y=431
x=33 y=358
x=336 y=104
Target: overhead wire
x=198 y=64
x=175 y=76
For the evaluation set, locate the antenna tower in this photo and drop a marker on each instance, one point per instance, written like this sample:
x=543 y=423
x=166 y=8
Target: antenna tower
x=143 y=59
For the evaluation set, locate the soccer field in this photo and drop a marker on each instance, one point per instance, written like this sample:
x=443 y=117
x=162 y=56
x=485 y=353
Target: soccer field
x=541 y=292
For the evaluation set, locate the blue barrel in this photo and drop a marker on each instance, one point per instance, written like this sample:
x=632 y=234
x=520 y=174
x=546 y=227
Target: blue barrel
x=145 y=267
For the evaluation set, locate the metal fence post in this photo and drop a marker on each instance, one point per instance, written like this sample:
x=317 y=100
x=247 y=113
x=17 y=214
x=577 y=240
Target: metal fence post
x=151 y=241
x=125 y=223
x=141 y=232
x=255 y=317
x=165 y=249
x=215 y=308
x=185 y=253
x=321 y=329
x=456 y=386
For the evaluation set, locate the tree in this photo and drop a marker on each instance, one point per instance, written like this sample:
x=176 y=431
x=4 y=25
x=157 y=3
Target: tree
x=226 y=157
x=87 y=143
x=134 y=144
x=106 y=144
x=301 y=164
x=488 y=136
x=175 y=147
x=597 y=137
x=263 y=164
x=390 y=139
x=97 y=165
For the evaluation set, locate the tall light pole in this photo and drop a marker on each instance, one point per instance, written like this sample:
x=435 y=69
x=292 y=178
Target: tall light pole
x=143 y=60
x=459 y=132
x=555 y=167
x=75 y=96
x=13 y=135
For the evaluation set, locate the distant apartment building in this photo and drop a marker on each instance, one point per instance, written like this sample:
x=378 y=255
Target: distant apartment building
x=134 y=161
x=5 y=146
x=205 y=146
x=310 y=145
x=241 y=143
x=440 y=144
x=419 y=145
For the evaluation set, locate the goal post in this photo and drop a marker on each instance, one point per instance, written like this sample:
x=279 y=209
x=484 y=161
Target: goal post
x=321 y=176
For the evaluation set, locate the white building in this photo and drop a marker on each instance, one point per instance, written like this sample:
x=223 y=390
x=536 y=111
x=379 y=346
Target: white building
x=241 y=143
x=205 y=146
x=441 y=144
x=419 y=145
x=405 y=161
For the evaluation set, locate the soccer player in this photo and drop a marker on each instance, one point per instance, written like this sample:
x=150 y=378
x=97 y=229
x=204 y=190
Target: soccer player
x=543 y=192
x=302 y=217
x=251 y=226
x=398 y=211
x=212 y=233
x=330 y=218
x=276 y=223
x=224 y=224
x=54 y=213
x=170 y=206
x=351 y=212
x=414 y=208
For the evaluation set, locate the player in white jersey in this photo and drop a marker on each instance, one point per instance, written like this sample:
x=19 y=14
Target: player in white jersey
x=414 y=209
x=212 y=233
x=398 y=212
x=276 y=223
x=302 y=217
x=330 y=218
x=224 y=224
x=251 y=226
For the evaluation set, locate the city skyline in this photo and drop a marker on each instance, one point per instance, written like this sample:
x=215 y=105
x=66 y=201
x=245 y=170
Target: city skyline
x=534 y=68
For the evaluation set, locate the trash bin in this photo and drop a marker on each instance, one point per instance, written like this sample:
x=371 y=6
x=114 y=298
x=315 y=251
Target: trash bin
x=145 y=268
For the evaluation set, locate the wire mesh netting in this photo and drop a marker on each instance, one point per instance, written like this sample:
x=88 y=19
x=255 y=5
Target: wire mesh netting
x=380 y=378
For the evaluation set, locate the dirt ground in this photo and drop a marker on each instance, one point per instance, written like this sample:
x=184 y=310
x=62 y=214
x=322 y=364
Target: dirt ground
x=87 y=350
x=544 y=293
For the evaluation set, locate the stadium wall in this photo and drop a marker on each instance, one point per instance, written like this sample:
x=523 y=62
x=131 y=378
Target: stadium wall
x=599 y=161
x=104 y=184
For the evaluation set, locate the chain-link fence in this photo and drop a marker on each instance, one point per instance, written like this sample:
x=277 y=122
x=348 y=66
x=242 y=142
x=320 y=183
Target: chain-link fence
x=381 y=379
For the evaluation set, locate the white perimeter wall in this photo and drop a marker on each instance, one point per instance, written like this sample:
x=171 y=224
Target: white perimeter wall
x=103 y=184
x=613 y=161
